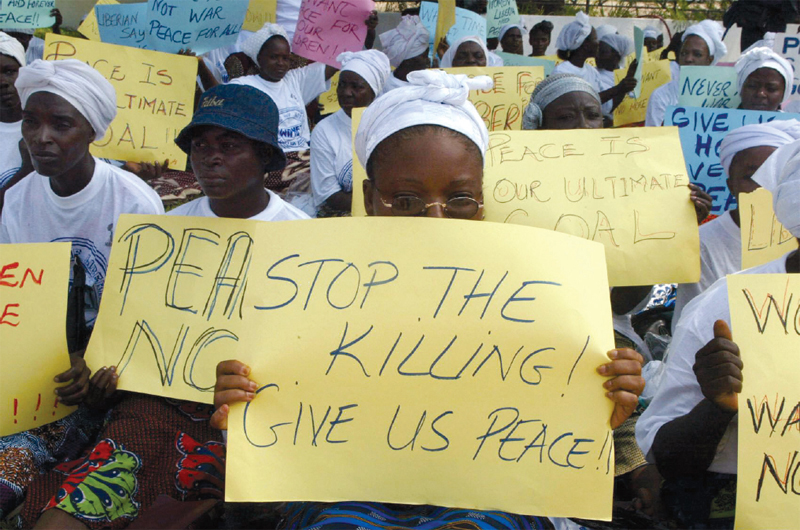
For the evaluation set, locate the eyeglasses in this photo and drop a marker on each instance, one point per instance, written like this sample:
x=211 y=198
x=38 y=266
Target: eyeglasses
x=411 y=205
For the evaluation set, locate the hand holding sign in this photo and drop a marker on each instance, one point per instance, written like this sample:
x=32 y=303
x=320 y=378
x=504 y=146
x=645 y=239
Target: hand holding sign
x=718 y=368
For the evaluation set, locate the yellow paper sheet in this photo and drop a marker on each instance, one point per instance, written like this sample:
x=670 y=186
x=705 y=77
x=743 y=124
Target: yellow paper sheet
x=654 y=55
x=625 y=188
x=502 y=106
x=88 y=27
x=258 y=13
x=445 y=19
x=764 y=318
x=155 y=97
x=359 y=173
x=763 y=237
x=34 y=280
x=654 y=75
x=330 y=100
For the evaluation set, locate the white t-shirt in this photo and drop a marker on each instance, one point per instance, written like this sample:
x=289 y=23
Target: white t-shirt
x=276 y=210
x=588 y=72
x=393 y=83
x=10 y=159
x=291 y=94
x=679 y=391
x=331 y=157
x=660 y=99
x=720 y=255
x=606 y=80
x=33 y=213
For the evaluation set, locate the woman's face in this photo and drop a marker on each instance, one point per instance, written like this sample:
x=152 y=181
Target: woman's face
x=651 y=44
x=743 y=166
x=539 y=42
x=469 y=54
x=589 y=46
x=512 y=41
x=763 y=90
x=353 y=91
x=431 y=169
x=607 y=57
x=694 y=52
x=226 y=163
x=9 y=70
x=274 y=59
x=574 y=110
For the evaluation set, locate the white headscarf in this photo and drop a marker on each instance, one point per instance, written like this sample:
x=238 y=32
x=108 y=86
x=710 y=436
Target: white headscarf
x=252 y=46
x=621 y=44
x=786 y=194
x=711 y=32
x=409 y=39
x=371 y=65
x=765 y=58
x=550 y=90
x=80 y=84
x=433 y=97
x=605 y=29
x=767 y=42
x=12 y=47
x=776 y=133
x=447 y=58
x=651 y=32
x=573 y=34
x=507 y=27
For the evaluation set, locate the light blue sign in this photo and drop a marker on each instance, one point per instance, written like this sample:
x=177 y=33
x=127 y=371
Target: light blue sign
x=467 y=24
x=512 y=59
x=122 y=24
x=199 y=25
x=701 y=131
x=26 y=14
x=709 y=86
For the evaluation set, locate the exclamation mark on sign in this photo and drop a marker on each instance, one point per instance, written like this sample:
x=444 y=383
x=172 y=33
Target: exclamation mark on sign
x=15 y=409
x=38 y=404
x=55 y=406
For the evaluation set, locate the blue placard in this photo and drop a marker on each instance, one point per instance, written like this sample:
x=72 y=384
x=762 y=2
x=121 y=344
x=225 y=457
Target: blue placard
x=26 y=14
x=201 y=25
x=701 y=131
x=512 y=59
x=467 y=23
x=122 y=24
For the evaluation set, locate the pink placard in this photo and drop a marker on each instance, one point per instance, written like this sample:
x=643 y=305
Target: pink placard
x=326 y=28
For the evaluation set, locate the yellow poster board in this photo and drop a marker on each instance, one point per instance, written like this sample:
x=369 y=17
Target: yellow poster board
x=654 y=75
x=88 y=27
x=330 y=99
x=259 y=12
x=625 y=188
x=445 y=18
x=155 y=97
x=654 y=55
x=34 y=281
x=764 y=311
x=763 y=237
x=502 y=106
x=359 y=173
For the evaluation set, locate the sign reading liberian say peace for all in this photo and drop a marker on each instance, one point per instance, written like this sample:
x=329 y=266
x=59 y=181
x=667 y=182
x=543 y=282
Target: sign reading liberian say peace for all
x=369 y=356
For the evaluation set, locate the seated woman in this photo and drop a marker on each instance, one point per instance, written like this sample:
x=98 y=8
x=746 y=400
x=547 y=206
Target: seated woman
x=611 y=54
x=563 y=101
x=469 y=51
x=764 y=79
x=539 y=38
x=423 y=148
x=510 y=37
x=690 y=428
x=701 y=46
x=407 y=47
x=361 y=79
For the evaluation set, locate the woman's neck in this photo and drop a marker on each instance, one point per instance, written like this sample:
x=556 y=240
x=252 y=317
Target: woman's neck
x=75 y=179
x=793 y=261
x=245 y=205
x=577 y=59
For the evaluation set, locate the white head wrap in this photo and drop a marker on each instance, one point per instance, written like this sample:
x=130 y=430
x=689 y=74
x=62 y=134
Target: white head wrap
x=605 y=29
x=447 y=58
x=371 y=65
x=433 y=97
x=507 y=27
x=252 y=46
x=409 y=39
x=75 y=81
x=776 y=133
x=767 y=42
x=550 y=90
x=23 y=31
x=621 y=44
x=765 y=58
x=651 y=32
x=711 y=32
x=786 y=192
x=573 y=34
x=12 y=47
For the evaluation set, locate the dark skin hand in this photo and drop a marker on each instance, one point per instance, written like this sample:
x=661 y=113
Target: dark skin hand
x=59 y=20
x=617 y=93
x=147 y=170
x=372 y=24
x=77 y=379
x=102 y=386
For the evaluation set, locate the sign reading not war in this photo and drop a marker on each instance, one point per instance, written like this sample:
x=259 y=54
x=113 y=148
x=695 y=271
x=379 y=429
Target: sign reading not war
x=389 y=369
x=199 y=25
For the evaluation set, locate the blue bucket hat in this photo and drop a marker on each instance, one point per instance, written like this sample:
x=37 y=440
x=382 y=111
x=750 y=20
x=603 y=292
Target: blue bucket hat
x=242 y=109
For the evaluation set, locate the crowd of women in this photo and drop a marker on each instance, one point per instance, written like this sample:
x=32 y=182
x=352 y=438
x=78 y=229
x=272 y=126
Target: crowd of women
x=258 y=150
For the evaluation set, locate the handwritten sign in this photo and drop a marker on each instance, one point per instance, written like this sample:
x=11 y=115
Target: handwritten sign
x=445 y=19
x=709 y=86
x=512 y=59
x=155 y=97
x=788 y=47
x=258 y=13
x=122 y=24
x=764 y=238
x=625 y=188
x=764 y=312
x=467 y=23
x=702 y=131
x=501 y=107
x=638 y=46
x=327 y=28
x=634 y=110
x=201 y=26
x=26 y=14
x=88 y=27
x=498 y=14
x=359 y=173
x=330 y=99
x=34 y=281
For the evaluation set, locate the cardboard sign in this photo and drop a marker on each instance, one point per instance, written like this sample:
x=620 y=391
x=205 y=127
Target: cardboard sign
x=26 y=14
x=709 y=86
x=502 y=106
x=788 y=47
x=123 y=24
x=327 y=28
x=174 y=25
x=638 y=46
x=498 y=14
x=763 y=237
x=624 y=188
x=34 y=282
x=359 y=173
x=512 y=59
x=702 y=131
x=259 y=13
x=330 y=99
x=654 y=75
x=467 y=24
x=155 y=97
x=764 y=309
x=88 y=27
x=445 y=19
